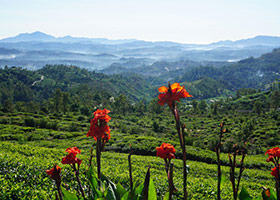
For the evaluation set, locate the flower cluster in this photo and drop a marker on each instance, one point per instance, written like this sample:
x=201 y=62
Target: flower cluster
x=166 y=151
x=173 y=93
x=99 y=127
x=273 y=153
x=274 y=171
x=71 y=157
x=274 y=156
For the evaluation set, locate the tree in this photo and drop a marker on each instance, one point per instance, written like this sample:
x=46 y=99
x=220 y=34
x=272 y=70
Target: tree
x=8 y=106
x=258 y=107
x=202 y=106
x=195 y=105
x=58 y=100
x=154 y=107
x=275 y=100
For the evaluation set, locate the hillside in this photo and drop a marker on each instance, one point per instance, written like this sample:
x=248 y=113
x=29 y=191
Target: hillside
x=248 y=73
x=19 y=84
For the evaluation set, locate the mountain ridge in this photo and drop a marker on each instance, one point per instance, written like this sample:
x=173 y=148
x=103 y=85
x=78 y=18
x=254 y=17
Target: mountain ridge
x=41 y=36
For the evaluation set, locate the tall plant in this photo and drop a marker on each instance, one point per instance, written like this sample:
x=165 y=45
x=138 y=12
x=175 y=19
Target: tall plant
x=168 y=95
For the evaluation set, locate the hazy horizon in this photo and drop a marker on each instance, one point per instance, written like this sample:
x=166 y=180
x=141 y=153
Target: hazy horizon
x=183 y=21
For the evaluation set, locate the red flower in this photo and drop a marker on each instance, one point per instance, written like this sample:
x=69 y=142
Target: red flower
x=270 y=159
x=102 y=114
x=274 y=152
x=98 y=125
x=174 y=93
x=274 y=171
x=73 y=150
x=166 y=151
x=71 y=157
x=54 y=173
x=98 y=130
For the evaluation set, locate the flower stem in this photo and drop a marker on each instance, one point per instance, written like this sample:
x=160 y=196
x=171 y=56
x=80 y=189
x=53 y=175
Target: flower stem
x=91 y=156
x=98 y=157
x=218 y=151
x=130 y=172
x=182 y=143
x=170 y=181
x=59 y=191
x=278 y=179
x=78 y=180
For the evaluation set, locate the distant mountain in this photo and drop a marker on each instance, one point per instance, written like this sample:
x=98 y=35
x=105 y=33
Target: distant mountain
x=42 y=37
x=34 y=50
x=258 y=40
x=248 y=73
x=29 y=37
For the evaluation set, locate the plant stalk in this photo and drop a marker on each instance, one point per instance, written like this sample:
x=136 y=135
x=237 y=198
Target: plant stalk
x=130 y=172
x=78 y=180
x=59 y=191
x=182 y=143
x=170 y=181
x=98 y=157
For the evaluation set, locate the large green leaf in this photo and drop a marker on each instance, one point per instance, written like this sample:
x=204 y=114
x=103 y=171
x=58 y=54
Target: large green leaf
x=139 y=189
x=244 y=195
x=125 y=196
x=93 y=182
x=152 y=191
x=120 y=191
x=68 y=195
x=166 y=196
x=110 y=193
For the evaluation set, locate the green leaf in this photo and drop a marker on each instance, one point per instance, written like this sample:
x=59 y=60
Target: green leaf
x=223 y=179
x=93 y=182
x=120 y=191
x=111 y=193
x=68 y=195
x=273 y=195
x=139 y=189
x=152 y=191
x=166 y=196
x=107 y=180
x=125 y=196
x=244 y=195
x=92 y=178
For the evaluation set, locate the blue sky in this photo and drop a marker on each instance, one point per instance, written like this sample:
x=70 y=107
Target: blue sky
x=186 y=21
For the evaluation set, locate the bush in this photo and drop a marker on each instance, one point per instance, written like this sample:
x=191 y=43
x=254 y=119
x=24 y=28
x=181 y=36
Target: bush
x=30 y=121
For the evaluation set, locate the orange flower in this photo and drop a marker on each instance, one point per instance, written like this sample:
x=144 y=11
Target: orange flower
x=102 y=114
x=174 y=93
x=54 y=173
x=71 y=157
x=166 y=151
x=73 y=150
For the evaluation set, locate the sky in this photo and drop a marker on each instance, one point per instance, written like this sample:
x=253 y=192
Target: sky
x=185 y=21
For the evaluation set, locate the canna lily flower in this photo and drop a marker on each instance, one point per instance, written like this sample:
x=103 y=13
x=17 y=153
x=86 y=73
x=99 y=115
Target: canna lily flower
x=102 y=114
x=73 y=150
x=101 y=130
x=173 y=93
x=98 y=125
x=274 y=171
x=54 y=173
x=166 y=151
x=71 y=157
x=274 y=152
